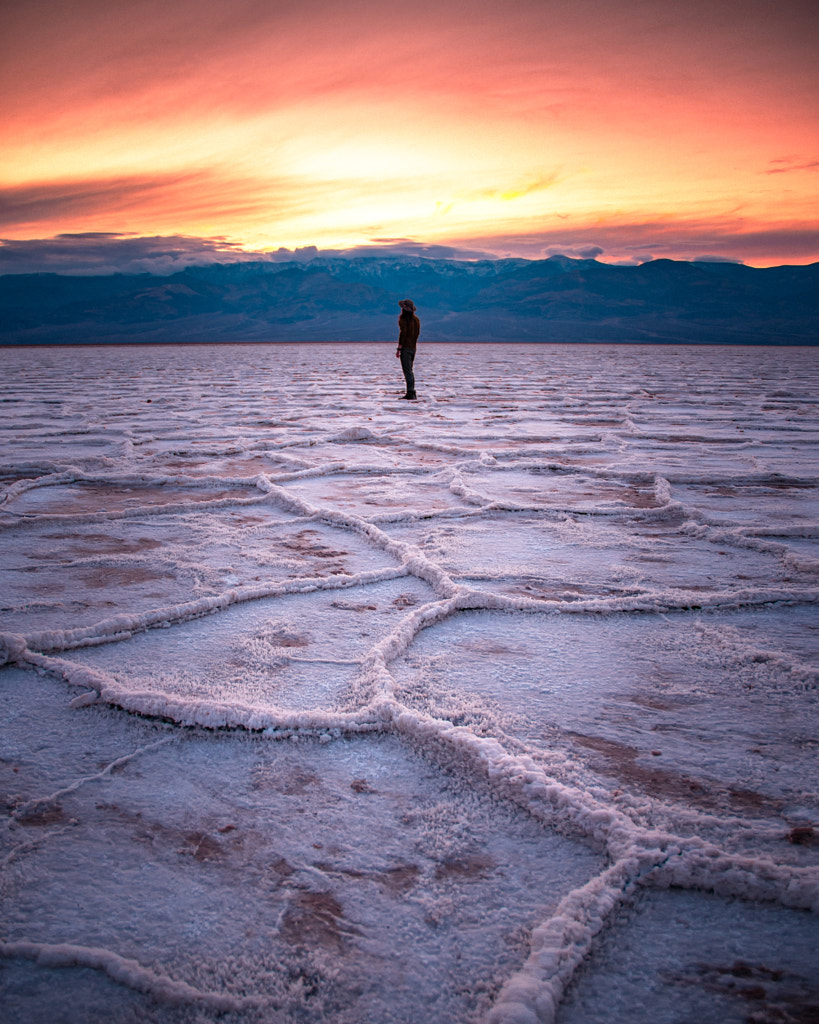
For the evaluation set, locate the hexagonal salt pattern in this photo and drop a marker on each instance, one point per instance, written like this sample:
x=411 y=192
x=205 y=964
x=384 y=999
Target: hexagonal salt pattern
x=319 y=706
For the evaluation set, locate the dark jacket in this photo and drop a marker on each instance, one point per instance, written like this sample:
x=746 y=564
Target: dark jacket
x=409 y=327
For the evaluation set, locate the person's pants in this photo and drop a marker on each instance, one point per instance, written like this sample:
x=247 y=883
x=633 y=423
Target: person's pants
x=407 y=357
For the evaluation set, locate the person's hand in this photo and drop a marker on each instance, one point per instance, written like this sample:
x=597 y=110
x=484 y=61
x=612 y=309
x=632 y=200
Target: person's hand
x=398 y=353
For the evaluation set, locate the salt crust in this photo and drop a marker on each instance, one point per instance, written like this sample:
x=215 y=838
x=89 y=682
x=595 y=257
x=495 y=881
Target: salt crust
x=638 y=856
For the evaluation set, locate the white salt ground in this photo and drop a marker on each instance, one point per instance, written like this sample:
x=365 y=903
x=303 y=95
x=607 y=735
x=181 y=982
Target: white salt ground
x=319 y=706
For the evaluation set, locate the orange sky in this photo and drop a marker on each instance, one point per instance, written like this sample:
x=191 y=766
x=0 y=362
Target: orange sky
x=619 y=128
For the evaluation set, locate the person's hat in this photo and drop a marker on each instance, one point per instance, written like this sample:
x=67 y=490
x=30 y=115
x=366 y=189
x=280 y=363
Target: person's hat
x=408 y=305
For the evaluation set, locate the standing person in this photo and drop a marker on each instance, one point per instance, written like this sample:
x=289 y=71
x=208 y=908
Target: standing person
x=409 y=327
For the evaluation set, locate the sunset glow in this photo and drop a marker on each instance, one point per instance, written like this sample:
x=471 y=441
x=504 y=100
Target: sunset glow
x=639 y=129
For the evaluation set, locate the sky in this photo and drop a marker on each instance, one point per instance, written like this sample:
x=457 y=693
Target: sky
x=146 y=133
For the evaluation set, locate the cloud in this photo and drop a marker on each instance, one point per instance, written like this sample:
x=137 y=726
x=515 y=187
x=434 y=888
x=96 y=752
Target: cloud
x=124 y=205
x=715 y=259
x=633 y=261
x=408 y=247
x=32 y=204
x=785 y=165
x=106 y=252
x=102 y=252
x=732 y=239
x=583 y=252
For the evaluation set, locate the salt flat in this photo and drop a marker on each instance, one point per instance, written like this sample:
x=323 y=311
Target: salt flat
x=318 y=705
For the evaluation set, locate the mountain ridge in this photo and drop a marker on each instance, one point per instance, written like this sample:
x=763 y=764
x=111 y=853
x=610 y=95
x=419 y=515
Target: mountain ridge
x=355 y=299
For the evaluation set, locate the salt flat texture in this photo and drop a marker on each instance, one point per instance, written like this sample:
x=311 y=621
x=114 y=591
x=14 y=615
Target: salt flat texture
x=322 y=706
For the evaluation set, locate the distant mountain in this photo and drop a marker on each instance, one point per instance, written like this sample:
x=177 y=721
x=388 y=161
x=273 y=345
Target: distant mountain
x=356 y=299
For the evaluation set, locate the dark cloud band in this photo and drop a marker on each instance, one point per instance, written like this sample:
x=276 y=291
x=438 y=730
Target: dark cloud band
x=111 y=252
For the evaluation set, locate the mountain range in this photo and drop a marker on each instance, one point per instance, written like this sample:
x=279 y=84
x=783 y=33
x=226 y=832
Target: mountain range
x=338 y=299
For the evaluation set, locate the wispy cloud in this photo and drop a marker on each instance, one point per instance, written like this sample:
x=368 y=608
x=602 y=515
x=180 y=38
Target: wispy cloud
x=31 y=204
x=194 y=197
x=784 y=165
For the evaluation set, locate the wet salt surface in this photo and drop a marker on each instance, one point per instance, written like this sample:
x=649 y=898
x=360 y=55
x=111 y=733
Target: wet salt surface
x=322 y=706
x=698 y=958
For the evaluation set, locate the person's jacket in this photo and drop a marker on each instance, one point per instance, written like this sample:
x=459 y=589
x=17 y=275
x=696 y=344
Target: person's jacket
x=410 y=328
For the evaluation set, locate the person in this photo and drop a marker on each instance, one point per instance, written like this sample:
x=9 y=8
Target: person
x=409 y=327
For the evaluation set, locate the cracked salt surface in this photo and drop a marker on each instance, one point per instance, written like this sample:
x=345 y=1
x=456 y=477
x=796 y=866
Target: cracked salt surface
x=500 y=707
